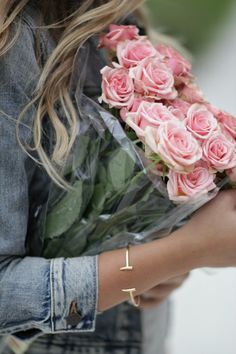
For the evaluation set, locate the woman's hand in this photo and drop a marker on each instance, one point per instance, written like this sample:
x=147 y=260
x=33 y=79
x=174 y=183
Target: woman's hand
x=155 y=296
x=207 y=240
x=212 y=230
x=232 y=174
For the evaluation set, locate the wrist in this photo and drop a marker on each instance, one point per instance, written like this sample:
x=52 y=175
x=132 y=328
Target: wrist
x=193 y=252
x=180 y=253
x=175 y=255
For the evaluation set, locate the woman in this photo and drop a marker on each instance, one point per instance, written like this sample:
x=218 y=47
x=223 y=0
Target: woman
x=62 y=298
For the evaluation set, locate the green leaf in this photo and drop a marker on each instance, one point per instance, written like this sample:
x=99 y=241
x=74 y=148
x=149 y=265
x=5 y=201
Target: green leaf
x=71 y=244
x=131 y=135
x=65 y=212
x=120 y=169
x=99 y=198
x=81 y=151
x=102 y=175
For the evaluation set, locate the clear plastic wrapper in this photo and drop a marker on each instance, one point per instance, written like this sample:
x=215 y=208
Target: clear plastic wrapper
x=116 y=199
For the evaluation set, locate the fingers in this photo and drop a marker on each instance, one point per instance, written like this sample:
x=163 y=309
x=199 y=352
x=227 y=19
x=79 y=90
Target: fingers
x=232 y=174
x=177 y=280
x=228 y=197
x=160 y=293
x=149 y=303
x=169 y=286
x=155 y=297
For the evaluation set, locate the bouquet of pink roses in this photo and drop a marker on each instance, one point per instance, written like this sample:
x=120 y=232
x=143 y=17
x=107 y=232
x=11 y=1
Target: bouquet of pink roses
x=187 y=140
x=144 y=163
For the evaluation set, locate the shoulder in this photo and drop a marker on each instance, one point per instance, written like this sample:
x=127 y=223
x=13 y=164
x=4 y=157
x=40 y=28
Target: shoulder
x=19 y=73
x=19 y=66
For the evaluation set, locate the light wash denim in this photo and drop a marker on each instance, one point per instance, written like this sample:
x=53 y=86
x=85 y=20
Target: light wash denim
x=35 y=293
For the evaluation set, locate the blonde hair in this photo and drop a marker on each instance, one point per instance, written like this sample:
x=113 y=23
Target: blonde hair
x=77 y=25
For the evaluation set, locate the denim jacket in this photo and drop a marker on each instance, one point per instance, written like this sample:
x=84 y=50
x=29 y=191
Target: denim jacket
x=35 y=293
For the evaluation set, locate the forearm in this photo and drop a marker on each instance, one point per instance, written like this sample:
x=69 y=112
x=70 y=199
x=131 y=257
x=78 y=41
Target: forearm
x=153 y=263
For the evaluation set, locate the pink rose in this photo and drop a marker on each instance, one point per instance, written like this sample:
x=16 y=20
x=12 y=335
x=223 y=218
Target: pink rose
x=130 y=53
x=150 y=114
x=175 y=61
x=179 y=108
x=201 y=122
x=175 y=145
x=225 y=121
x=226 y=133
x=118 y=34
x=219 y=152
x=191 y=93
x=153 y=79
x=117 y=87
x=183 y=187
x=215 y=111
x=228 y=122
x=135 y=105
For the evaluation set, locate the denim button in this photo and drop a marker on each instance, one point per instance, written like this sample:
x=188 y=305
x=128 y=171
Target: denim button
x=74 y=317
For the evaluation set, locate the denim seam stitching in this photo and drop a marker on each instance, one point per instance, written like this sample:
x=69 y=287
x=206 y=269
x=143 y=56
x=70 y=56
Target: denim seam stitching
x=52 y=281
x=95 y=293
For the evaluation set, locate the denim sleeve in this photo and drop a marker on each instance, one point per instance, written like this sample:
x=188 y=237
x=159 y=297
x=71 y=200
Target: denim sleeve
x=35 y=293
